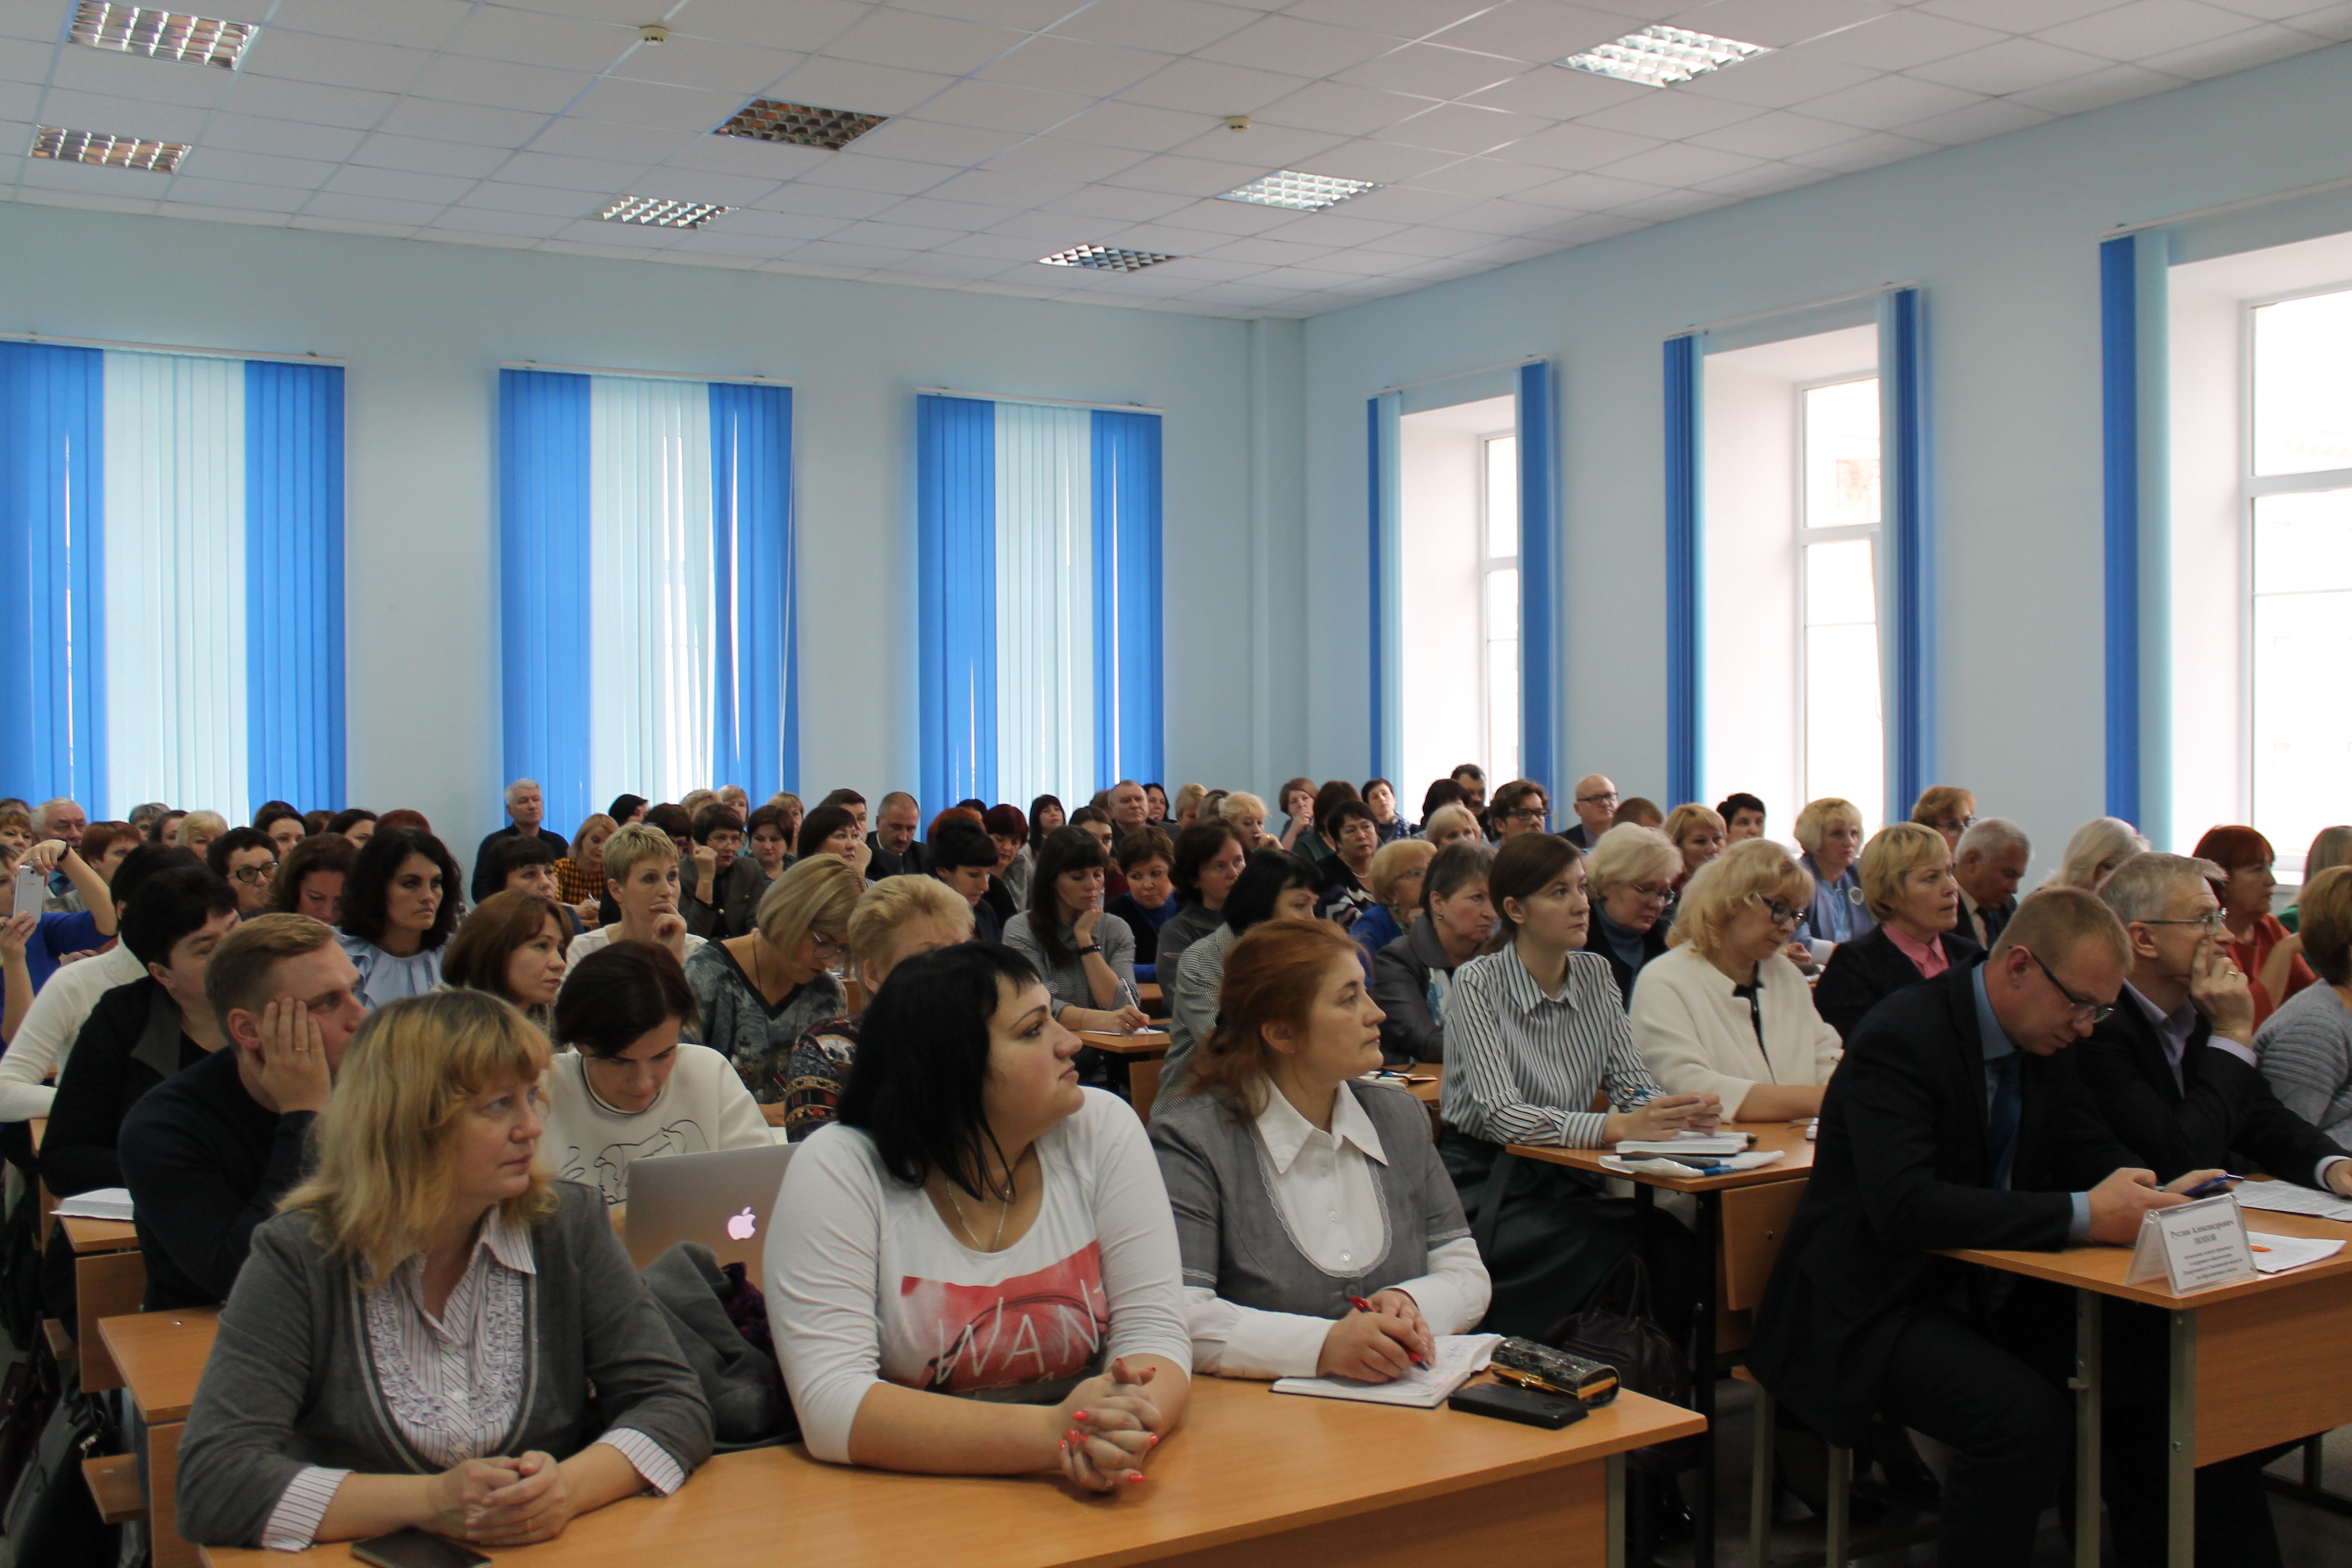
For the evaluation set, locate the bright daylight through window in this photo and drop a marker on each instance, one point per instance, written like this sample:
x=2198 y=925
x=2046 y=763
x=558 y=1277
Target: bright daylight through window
x=1498 y=584
x=1846 y=734
x=2299 y=490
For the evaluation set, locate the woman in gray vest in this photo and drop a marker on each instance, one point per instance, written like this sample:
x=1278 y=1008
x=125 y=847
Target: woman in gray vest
x=1299 y=1190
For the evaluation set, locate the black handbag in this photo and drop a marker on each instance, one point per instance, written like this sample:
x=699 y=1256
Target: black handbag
x=1615 y=1326
x=52 y=1520
x=20 y=1269
x=27 y=1394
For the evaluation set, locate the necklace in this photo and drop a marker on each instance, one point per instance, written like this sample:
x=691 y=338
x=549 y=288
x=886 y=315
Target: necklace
x=1004 y=1209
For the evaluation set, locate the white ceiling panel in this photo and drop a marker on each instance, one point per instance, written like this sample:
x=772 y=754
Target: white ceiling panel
x=1015 y=128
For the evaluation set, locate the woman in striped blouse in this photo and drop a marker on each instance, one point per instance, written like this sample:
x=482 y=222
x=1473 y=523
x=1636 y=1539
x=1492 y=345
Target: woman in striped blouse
x=1534 y=1029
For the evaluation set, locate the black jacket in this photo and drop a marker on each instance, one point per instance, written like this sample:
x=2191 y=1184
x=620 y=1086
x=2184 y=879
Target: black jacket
x=2226 y=1104
x=907 y=862
x=735 y=895
x=1400 y=972
x=1866 y=970
x=479 y=886
x=130 y=1042
x=1903 y=1170
x=1653 y=942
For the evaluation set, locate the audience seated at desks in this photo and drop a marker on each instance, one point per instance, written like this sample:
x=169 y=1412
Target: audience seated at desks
x=580 y=874
x=1988 y=864
x=1129 y=810
x=208 y=1154
x=1629 y=882
x=1345 y=895
x=1298 y=1189
x=1276 y=885
x=641 y=875
x=1829 y=831
x=895 y=918
x=962 y=856
x=757 y=993
x=721 y=886
x=1394 y=883
x=1412 y=975
x=1209 y=856
x=625 y=1084
x=1907 y=883
x=1957 y=1118
x=976 y=1221
x=1723 y=1011
x=513 y=947
x=321 y=1416
x=400 y=904
x=1534 y=1029
x=2305 y=1048
x=1147 y=860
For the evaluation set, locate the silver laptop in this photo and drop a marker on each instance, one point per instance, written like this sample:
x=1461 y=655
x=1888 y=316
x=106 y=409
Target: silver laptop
x=723 y=1199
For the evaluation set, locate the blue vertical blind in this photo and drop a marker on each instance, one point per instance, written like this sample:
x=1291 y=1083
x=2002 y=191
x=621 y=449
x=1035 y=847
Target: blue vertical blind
x=1037 y=544
x=1540 y=641
x=2119 y=420
x=173 y=526
x=645 y=554
x=1684 y=601
x=1908 y=638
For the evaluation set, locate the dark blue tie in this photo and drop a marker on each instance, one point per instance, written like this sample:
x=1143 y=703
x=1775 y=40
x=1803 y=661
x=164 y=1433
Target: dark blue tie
x=2008 y=1108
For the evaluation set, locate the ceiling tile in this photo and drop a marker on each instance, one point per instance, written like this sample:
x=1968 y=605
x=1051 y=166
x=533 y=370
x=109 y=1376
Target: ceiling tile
x=1766 y=179
x=2237 y=52
x=425 y=157
x=910 y=41
x=371 y=209
x=122 y=116
x=1273 y=146
x=824 y=252
x=1589 y=193
x=2013 y=64
x=956 y=146
x=1778 y=23
x=420 y=24
x=867 y=88
x=827 y=201
x=39 y=19
x=702 y=185
x=1534 y=30
x=1890 y=101
x=541 y=201
x=1214 y=217
x=863 y=172
x=752 y=160
x=944 y=264
x=1483 y=178
x=1669 y=114
x=50 y=185
x=441 y=233
x=2015 y=15
x=1398 y=18
x=1777 y=135
x=247 y=133
x=994 y=106
x=193 y=192
x=1136 y=126
x=1993 y=117
x=261 y=168
x=1300 y=46
x=1678 y=164
x=335 y=62
x=1383 y=162
x=1901 y=40
x=1461 y=128
x=499 y=84
x=1336 y=228
x=1434 y=70
x=2328 y=21
x=116 y=75
x=735 y=69
x=529 y=38
x=439 y=190
x=990 y=188
x=785 y=225
x=930 y=212
x=1074 y=66
x=1554 y=92
x=1677 y=204
x=1340 y=110
x=474 y=122
x=1206 y=88
x=1265 y=252
x=1061 y=158
x=1010 y=247
x=570 y=174
x=654 y=103
x=491 y=220
x=1577 y=147
x=793 y=269
x=2116 y=84
x=1185 y=176
x=900 y=235
x=323 y=225
x=1168 y=27
x=805 y=26
x=578 y=138
x=1111 y=203
x=2265 y=10
x=1777 y=81
x=632 y=237
x=2141 y=28
x=1863 y=152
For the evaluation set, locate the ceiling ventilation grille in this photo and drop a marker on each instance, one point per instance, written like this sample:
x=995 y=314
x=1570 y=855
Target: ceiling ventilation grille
x=164 y=35
x=114 y=152
x=772 y=119
x=1105 y=258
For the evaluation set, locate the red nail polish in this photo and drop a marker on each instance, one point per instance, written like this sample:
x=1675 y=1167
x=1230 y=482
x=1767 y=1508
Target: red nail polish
x=1155 y=1440
x=1079 y=1416
x=1136 y=1480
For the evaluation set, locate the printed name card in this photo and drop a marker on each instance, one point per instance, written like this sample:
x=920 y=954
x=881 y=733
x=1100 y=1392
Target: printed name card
x=2194 y=1247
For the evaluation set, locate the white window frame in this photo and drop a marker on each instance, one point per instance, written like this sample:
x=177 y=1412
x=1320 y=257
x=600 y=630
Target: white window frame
x=1805 y=535
x=1488 y=564
x=2252 y=488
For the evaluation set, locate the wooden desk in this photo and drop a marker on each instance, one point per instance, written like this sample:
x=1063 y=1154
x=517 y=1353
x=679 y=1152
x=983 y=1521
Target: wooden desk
x=1253 y=1479
x=1144 y=1054
x=89 y=1236
x=2252 y=1365
x=1740 y=1220
x=162 y=1356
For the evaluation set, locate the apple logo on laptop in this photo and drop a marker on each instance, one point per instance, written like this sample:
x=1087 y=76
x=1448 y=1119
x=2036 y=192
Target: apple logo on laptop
x=742 y=1226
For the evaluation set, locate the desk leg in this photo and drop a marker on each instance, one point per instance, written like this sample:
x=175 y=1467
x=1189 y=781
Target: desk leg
x=1143 y=1085
x=1710 y=1224
x=1616 y=1511
x=2180 y=1457
x=169 y=1549
x=2085 y=1384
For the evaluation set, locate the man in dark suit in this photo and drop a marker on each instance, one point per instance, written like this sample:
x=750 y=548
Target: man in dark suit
x=1957 y=1119
x=2173 y=1074
x=1988 y=863
x=896 y=851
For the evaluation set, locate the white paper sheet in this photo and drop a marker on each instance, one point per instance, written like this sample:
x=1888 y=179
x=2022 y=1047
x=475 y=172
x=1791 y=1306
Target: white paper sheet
x=2277 y=1254
x=2287 y=1197
x=1460 y=1358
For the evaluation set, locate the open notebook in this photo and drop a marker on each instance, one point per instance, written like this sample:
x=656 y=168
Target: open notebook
x=1460 y=1358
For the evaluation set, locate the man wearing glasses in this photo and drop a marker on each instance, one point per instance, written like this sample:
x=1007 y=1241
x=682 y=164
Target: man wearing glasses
x=1520 y=808
x=1596 y=805
x=1957 y=1118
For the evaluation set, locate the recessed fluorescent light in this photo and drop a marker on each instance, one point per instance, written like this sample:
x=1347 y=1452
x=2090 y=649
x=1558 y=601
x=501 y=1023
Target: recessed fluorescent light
x=772 y=119
x=1105 y=258
x=1661 y=56
x=114 y=152
x=165 y=35
x=1299 y=192
x=661 y=211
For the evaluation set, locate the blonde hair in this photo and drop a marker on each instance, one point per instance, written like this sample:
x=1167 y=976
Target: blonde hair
x=2330 y=847
x=895 y=902
x=237 y=975
x=386 y=1168
x=631 y=843
x=2326 y=924
x=1451 y=817
x=197 y=822
x=1815 y=819
x=588 y=825
x=696 y=799
x=783 y=800
x=2098 y=846
x=1894 y=852
x=1392 y=860
x=814 y=894
x=1940 y=803
x=1627 y=853
x=1187 y=796
x=1241 y=803
x=1690 y=815
x=1752 y=869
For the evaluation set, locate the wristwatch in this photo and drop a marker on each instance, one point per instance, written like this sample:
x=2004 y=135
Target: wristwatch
x=1090 y=949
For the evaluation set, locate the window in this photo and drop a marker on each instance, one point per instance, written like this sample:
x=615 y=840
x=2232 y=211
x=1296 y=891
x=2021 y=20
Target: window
x=1498 y=581
x=1458 y=599
x=1837 y=534
x=2297 y=485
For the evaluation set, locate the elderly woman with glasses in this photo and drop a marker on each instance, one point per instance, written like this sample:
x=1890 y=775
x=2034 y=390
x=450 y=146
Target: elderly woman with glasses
x=757 y=994
x=1724 y=1012
x=1948 y=809
x=1906 y=876
x=1630 y=878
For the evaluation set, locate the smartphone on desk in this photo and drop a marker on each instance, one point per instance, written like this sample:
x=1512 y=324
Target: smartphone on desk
x=1527 y=1407
x=415 y=1548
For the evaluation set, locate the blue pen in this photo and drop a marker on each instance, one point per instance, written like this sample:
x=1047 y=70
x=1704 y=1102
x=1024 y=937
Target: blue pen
x=2207 y=1188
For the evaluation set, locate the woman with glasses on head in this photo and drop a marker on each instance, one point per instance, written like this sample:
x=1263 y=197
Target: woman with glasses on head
x=759 y=993
x=1948 y=809
x=1907 y=874
x=2271 y=956
x=1723 y=1011
x=1630 y=878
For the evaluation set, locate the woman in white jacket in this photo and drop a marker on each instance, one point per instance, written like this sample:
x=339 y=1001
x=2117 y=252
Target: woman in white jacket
x=1724 y=1012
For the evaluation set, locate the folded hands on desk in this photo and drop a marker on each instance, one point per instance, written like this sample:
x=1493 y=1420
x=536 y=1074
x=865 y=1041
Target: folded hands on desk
x=1109 y=1431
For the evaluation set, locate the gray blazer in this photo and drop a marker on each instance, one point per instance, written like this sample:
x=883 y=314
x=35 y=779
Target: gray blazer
x=1185 y=927
x=1230 y=1228
x=1193 y=1007
x=1400 y=972
x=1066 y=981
x=291 y=1382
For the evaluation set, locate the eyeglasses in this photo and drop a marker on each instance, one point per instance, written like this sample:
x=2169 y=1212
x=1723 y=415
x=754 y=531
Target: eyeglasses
x=1533 y=814
x=828 y=946
x=2211 y=920
x=1649 y=892
x=254 y=876
x=2085 y=1008
x=1782 y=914
x=1954 y=824
x=1609 y=799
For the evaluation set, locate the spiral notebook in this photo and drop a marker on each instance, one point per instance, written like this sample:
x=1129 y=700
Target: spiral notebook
x=1460 y=1358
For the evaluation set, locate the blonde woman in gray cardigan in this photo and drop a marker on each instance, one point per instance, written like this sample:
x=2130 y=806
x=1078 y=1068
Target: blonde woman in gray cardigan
x=433 y=1334
x=1299 y=1190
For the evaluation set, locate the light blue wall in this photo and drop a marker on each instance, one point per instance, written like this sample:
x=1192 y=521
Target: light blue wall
x=2004 y=237
x=425 y=327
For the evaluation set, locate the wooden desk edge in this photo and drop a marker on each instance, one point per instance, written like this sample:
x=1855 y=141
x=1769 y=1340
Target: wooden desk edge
x=140 y=1343
x=90 y=1235
x=1589 y=1161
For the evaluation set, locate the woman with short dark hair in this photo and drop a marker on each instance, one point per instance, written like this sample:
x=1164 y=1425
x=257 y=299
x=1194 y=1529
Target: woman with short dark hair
x=1209 y=856
x=977 y=1224
x=1276 y=885
x=400 y=904
x=1412 y=975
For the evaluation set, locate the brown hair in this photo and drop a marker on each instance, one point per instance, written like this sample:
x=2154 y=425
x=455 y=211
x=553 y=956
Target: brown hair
x=1146 y=843
x=1523 y=868
x=1639 y=810
x=319 y=852
x=99 y=836
x=476 y=956
x=237 y=975
x=2052 y=923
x=1272 y=976
x=618 y=993
x=2326 y=923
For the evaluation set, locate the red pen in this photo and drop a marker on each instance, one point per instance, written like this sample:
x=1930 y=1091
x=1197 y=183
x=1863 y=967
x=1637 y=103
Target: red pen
x=1364 y=1305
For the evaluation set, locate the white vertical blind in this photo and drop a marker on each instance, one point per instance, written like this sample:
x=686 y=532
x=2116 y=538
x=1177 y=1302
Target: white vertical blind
x=650 y=613
x=175 y=604
x=1044 y=603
